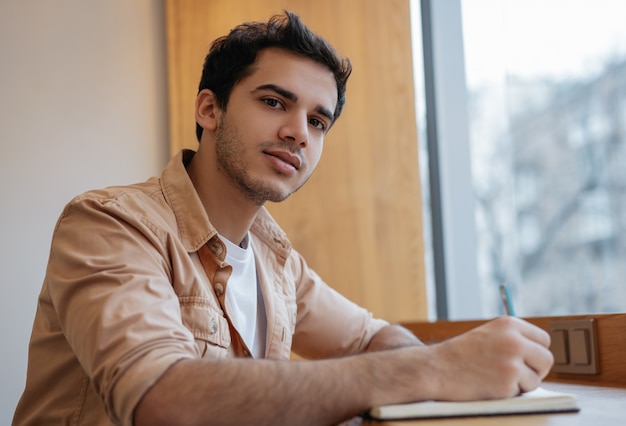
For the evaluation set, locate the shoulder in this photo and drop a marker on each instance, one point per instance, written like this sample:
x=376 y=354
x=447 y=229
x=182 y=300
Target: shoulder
x=141 y=204
x=139 y=193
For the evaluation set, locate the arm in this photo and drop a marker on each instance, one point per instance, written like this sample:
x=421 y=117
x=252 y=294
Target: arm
x=392 y=337
x=503 y=356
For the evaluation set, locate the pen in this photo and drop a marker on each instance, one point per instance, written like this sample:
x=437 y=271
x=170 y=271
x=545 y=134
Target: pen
x=505 y=294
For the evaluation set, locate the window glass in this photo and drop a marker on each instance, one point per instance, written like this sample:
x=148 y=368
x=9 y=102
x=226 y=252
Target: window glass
x=546 y=82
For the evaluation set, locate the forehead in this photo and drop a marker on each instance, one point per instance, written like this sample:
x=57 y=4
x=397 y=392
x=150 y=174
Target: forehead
x=310 y=81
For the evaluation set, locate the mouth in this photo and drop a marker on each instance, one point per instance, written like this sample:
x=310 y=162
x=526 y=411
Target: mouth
x=286 y=157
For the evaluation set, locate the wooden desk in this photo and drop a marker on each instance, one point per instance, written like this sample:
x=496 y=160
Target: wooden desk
x=599 y=406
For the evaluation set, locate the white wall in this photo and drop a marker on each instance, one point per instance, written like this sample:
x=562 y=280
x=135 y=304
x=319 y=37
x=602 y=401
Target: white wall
x=82 y=105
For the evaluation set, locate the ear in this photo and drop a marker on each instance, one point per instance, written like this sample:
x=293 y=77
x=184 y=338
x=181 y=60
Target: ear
x=207 y=110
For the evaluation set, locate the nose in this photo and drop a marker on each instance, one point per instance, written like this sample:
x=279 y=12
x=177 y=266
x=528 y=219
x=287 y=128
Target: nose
x=295 y=130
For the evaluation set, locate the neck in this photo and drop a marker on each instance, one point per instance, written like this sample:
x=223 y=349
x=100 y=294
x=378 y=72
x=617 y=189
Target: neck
x=231 y=213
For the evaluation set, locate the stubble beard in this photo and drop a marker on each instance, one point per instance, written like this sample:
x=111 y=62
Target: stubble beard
x=229 y=149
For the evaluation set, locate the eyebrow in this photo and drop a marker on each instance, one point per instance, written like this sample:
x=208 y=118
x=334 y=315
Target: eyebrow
x=287 y=94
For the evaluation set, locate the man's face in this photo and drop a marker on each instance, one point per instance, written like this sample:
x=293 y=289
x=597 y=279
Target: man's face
x=270 y=139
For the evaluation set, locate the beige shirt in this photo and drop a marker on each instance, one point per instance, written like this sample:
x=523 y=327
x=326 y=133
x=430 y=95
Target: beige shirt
x=122 y=301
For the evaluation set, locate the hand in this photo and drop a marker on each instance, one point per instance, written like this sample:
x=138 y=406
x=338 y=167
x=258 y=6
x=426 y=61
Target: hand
x=499 y=359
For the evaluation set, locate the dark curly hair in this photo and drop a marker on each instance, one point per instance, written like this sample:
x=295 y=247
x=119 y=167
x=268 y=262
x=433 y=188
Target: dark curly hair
x=230 y=58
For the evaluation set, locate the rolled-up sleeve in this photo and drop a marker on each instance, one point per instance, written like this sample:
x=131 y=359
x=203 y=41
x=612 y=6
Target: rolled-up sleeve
x=109 y=280
x=328 y=324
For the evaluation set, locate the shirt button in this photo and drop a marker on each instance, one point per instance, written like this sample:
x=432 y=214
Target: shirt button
x=213 y=327
x=219 y=289
x=217 y=248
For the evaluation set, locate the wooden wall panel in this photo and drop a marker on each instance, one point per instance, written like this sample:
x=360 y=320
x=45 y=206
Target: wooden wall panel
x=358 y=219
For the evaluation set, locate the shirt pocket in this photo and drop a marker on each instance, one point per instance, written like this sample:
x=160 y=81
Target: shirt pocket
x=207 y=324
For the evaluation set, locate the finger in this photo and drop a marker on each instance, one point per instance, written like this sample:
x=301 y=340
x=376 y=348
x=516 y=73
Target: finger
x=529 y=380
x=539 y=359
x=534 y=333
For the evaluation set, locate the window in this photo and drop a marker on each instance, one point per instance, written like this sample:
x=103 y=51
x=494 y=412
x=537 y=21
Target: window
x=522 y=104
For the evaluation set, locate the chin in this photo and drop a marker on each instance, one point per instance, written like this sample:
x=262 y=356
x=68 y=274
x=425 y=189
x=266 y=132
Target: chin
x=260 y=196
x=279 y=198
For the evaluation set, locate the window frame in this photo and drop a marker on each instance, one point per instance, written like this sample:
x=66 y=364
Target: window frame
x=452 y=222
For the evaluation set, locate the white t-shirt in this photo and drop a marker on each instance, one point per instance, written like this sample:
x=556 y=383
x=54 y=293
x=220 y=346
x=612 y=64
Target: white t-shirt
x=244 y=301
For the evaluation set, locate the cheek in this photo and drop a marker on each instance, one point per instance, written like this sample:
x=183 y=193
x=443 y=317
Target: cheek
x=314 y=154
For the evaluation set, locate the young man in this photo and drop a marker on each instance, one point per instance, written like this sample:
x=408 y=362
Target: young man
x=179 y=300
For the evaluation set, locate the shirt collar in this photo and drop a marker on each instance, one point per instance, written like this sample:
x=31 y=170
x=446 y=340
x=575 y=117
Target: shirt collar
x=194 y=226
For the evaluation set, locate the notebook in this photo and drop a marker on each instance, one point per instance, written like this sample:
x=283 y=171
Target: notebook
x=539 y=400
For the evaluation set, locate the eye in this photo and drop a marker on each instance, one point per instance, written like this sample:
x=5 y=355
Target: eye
x=272 y=102
x=317 y=123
